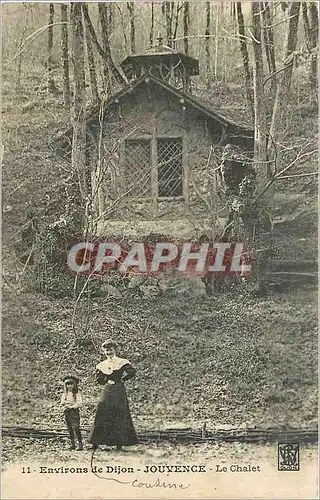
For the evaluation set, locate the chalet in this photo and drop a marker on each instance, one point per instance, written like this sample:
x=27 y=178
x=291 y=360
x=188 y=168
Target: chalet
x=151 y=149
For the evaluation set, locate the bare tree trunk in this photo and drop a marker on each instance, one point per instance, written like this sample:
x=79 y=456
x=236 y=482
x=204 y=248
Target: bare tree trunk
x=260 y=138
x=71 y=13
x=207 y=44
x=269 y=45
x=233 y=12
x=307 y=33
x=130 y=6
x=151 y=35
x=216 y=41
x=111 y=73
x=170 y=17
x=78 y=156
x=306 y=25
x=284 y=82
x=255 y=236
x=167 y=9
x=186 y=22
x=104 y=17
x=176 y=24
x=245 y=58
x=91 y=63
x=65 y=55
x=109 y=67
x=51 y=84
x=314 y=32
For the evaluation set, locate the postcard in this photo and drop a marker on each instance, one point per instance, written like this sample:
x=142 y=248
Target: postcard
x=160 y=250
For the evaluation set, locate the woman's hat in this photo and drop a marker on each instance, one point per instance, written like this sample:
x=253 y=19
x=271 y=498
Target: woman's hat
x=109 y=343
x=71 y=378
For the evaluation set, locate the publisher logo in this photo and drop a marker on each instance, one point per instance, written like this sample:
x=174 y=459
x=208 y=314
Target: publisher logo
x=288 y=456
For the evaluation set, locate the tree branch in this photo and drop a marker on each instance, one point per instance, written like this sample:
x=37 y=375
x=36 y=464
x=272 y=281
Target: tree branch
x=279 y=174
x=35 y=34
x=119 y=76
x=297 y=175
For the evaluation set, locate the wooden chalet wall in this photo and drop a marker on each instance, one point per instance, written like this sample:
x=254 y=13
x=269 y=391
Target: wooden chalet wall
x=146 y=112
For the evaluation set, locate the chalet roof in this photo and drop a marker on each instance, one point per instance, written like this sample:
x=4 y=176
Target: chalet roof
x=188 y=100
x=157 y=49
x=156 y=53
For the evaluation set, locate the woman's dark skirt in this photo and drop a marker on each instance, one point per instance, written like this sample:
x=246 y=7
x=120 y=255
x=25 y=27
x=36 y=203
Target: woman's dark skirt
x=113 y=423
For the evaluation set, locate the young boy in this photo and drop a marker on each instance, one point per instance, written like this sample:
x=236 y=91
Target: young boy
x=71 y=401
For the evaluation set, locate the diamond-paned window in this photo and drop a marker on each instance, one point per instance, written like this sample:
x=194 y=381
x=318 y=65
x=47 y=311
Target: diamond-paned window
x=169 y=153
x=153 y=168
x=138 y=168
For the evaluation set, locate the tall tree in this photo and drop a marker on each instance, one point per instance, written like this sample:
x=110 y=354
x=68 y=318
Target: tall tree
x=260 y=136
x=91 y=62
x=176 y=22
x=51 y=84
x=167 y=9
x=216 y=42
x=65 y=54
x=256 y=234
x=314 y=37
x=186 y=23
x=207 y=44
x=111 y=73
x=78 y=155
x=284 y=80
x=245 y=58
x=104 y=17
x=130 y=6
x=306 y=24
x=151 y=34
x=171 y=17
x=269 y=45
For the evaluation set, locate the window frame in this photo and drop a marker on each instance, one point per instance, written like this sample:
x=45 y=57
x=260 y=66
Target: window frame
x=166 y=138
x=123 y=167
x=154 y=168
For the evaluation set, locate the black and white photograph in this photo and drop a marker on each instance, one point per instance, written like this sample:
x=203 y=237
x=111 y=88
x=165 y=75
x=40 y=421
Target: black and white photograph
x=160 y=249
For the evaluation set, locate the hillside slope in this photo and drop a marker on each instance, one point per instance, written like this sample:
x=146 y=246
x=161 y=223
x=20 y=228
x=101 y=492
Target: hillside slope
x=222 y=360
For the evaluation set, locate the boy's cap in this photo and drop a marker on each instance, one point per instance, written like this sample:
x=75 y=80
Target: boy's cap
x=71 y=377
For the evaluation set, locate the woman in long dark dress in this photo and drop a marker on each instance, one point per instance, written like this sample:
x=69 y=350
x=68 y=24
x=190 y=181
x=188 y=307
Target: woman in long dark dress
x=113 y=423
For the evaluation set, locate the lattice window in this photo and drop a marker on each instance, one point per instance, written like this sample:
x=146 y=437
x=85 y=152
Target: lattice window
x=138 y=168
x=169 y=152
